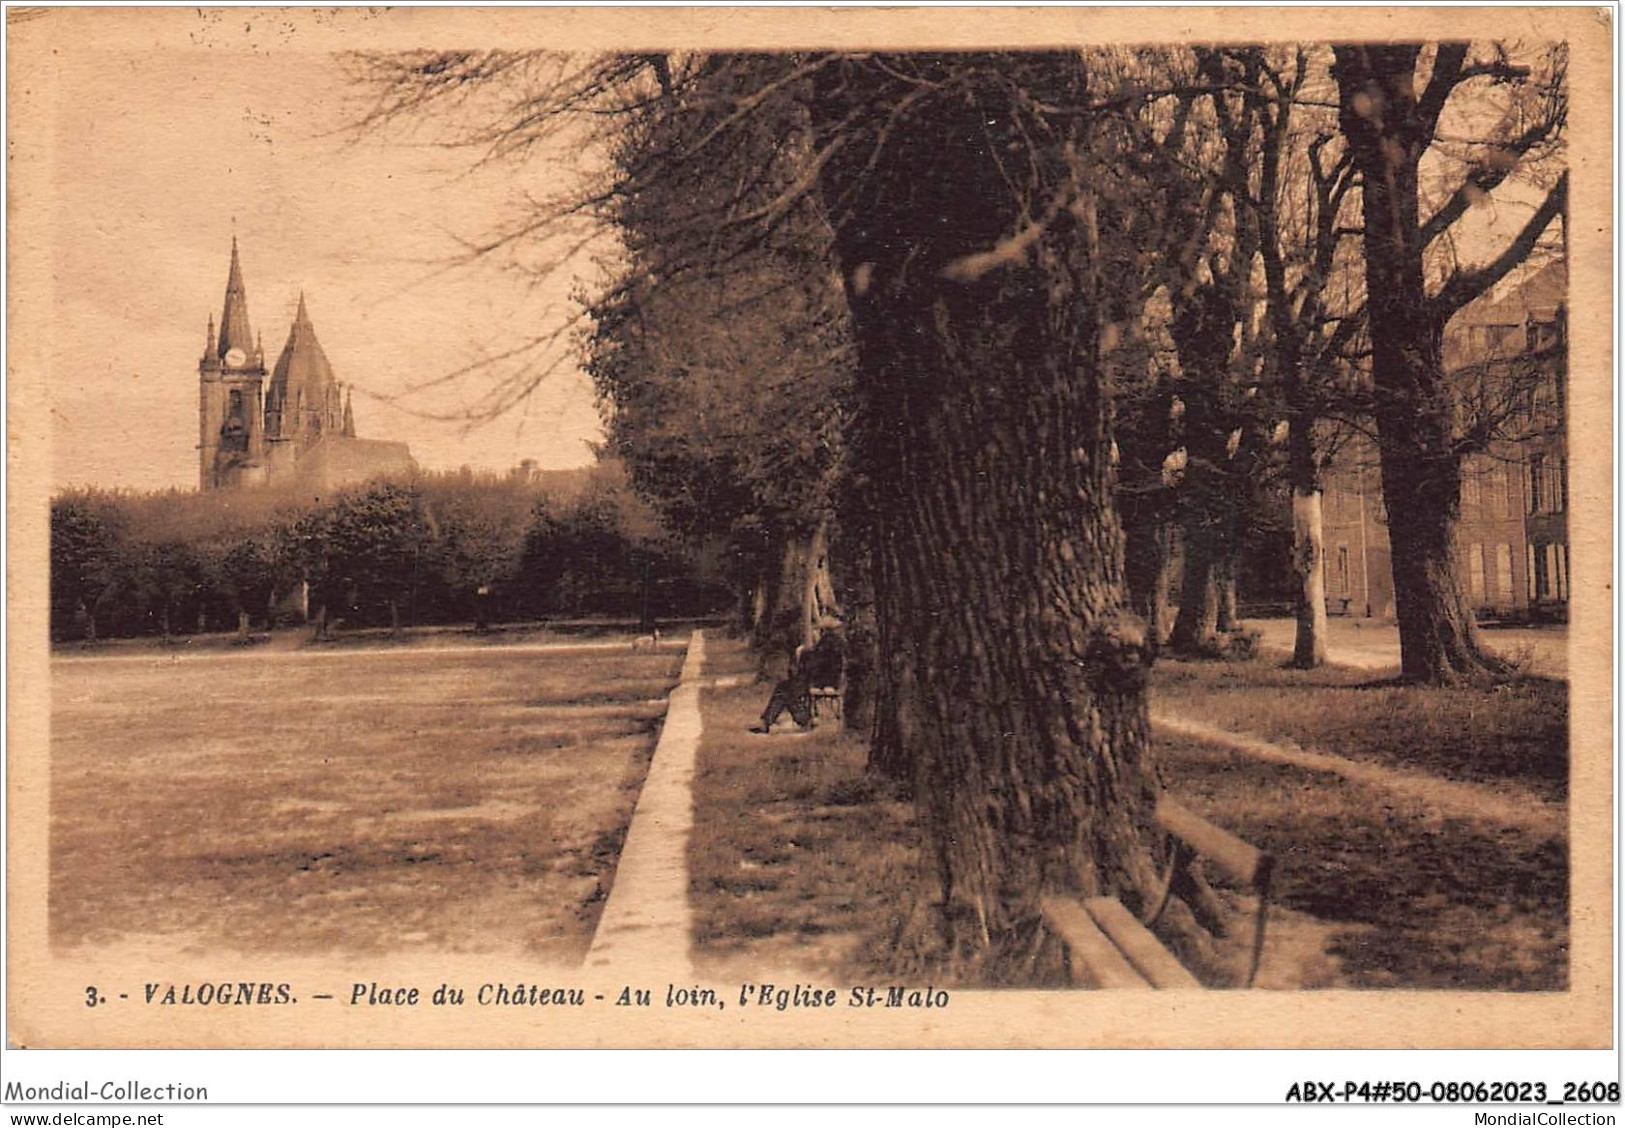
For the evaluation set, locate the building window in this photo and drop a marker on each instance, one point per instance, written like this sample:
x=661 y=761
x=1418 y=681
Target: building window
x=1475 y=572
x=1342 y=570
x=1531 y=594
x=1537 y=478
x=1503 y=575
x=1554 y=574
x=1471 y=492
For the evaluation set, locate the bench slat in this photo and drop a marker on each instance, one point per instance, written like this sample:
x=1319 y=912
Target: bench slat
x=1143 y=949
x=1240 y=860
x=1092 y=954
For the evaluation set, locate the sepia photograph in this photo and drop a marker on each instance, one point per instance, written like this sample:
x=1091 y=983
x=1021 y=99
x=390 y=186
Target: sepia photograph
x=587 y=528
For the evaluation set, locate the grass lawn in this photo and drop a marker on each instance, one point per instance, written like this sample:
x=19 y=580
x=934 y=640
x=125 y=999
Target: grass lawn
x=798 y=862
x=1413 y=900
x=356 y=802
x=1515 y=734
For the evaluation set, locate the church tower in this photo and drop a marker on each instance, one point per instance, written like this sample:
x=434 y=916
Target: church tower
x=293 y=424
x=231 y=401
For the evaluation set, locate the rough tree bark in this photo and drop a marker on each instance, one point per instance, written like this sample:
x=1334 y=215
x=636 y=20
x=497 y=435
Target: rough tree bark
x=855 y=582
x=891 y=747
x=1149 y=558
x=767 y=605
x=1227 y=618
x=818 y=594
x=1196 y=626
x=1019 y=687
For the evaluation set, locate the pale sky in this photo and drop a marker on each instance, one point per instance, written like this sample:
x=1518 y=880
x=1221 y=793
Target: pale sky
x=161 y=155
x=169 y=130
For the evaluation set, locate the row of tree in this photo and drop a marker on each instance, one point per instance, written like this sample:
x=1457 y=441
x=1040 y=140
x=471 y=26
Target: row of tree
x=988 y=332
x=438 y=549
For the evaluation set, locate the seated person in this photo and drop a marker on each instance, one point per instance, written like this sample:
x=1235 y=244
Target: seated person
x=814 y=667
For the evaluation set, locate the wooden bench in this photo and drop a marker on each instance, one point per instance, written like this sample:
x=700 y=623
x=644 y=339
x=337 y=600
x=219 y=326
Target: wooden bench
x=828 y=702
x=1108 y=947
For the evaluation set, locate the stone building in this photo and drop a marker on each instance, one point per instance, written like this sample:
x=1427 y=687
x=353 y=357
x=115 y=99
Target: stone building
x=1509 y=359
x=298 y=428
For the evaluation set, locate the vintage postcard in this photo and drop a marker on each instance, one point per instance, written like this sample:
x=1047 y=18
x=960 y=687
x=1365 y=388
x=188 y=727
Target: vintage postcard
x=724 y=528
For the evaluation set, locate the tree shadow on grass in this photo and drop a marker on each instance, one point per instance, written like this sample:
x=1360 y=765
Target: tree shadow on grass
x=1515 y=731
x=1433 y=903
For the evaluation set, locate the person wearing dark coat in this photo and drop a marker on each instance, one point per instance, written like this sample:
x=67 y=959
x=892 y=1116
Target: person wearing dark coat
x=812 y=667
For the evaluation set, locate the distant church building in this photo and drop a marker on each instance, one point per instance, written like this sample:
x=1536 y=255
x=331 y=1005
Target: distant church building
x=299 y=429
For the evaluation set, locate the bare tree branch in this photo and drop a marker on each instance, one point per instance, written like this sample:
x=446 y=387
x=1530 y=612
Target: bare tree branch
x=1465 y=285
x=1447 y=61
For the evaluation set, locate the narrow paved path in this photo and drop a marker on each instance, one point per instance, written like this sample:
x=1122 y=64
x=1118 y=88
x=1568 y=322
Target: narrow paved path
x=647 y=924
x=263 y=653
x=1447 y=798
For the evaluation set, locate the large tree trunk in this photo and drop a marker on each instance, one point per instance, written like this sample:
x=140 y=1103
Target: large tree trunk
x=890 y=754
x=789 y=615
x=1148 y=545
x=1438 y=636
x=758 y=604
x=856 y=585
x=1196 y=628
x=1309 y=559
x=1159 y=605
x=1228 y=618
x=765 y=600
x=818 y=589
x=1308 y=544
x=982 y=415
x=1421 y=467
x=892 y=745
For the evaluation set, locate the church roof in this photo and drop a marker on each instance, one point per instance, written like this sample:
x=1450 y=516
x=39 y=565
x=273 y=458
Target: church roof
x=234 y=330
x=303 y=366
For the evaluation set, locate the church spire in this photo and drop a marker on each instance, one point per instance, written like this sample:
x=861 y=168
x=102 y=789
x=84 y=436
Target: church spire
x=234 y=330
x=208 y=347
x=303 y=380
x=349 y=416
